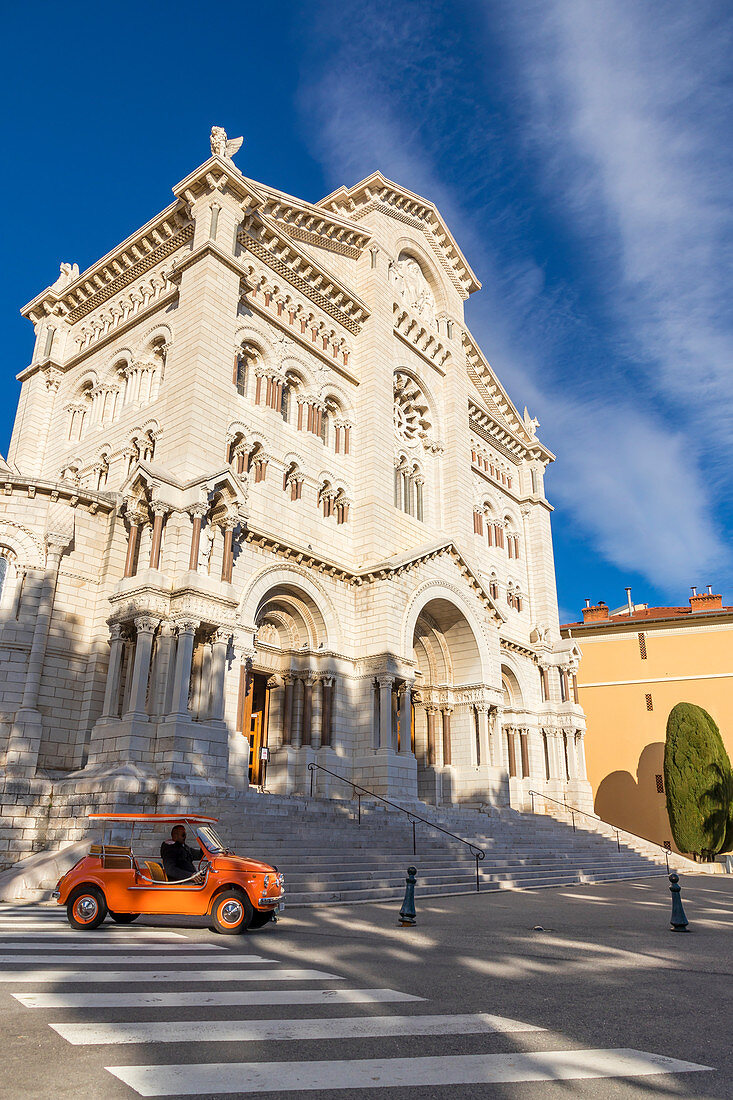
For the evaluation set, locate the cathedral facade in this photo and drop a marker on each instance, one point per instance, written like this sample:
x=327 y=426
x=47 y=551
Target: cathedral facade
x=265 y=497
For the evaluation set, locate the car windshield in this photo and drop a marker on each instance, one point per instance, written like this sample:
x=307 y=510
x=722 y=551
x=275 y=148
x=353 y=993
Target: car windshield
x=210 y=839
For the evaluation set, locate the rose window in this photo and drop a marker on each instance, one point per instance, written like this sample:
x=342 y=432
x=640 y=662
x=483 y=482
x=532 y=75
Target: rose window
x=411 y=412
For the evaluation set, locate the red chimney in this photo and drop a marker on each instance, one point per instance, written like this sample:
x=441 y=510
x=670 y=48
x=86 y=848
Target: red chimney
x=595 y=614
x=705 y=601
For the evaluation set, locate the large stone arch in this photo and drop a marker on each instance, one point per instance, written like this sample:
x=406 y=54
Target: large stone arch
x=292 y=581
x=517 y=680
x=438 y=593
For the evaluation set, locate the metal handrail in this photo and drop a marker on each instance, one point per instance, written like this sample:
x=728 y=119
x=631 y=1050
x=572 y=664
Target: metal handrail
x=477 y=853
x=573 y=810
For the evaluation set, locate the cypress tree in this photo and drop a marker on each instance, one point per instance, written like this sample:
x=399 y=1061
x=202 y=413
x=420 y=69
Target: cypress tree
x=698 y=782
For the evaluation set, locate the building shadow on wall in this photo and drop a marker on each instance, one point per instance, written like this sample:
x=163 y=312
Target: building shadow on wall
x=637 y=805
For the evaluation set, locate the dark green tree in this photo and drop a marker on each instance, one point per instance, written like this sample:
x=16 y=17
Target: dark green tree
x=698 y=782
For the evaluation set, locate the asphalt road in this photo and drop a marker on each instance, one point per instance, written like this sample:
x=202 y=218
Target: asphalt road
x=472 y=1002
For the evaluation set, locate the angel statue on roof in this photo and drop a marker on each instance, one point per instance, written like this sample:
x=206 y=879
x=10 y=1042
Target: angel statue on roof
x=221 y=146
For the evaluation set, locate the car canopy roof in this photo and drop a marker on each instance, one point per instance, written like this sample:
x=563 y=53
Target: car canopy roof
x=192 y=819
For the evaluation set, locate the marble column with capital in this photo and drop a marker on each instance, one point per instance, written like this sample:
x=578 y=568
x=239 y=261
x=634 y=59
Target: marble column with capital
x=24 y=741
x=385 y=711
x=182 y=676
x=483 y=734
x=219 y=646
x=110 y=708
x=197 y=512
x=160 y=511
x=287 y=726
x=145 y=627
x=432 y=713
x=406 y=719
x=447 y=740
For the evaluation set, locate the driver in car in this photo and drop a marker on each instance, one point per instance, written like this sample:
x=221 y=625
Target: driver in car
x=178 y=858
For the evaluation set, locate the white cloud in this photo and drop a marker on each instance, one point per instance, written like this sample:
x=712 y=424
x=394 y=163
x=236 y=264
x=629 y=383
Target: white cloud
x=613 y=107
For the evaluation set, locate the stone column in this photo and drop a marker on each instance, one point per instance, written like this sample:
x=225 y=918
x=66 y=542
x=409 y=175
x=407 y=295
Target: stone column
x=328 y=687
x=297 y=713
x=220 y=645
x=112 y=687
x=161 y=683
x=227 y=558
x=483 y=733
x=160 y=511
x=317 y=713
x=287 y=709
x=24 y=741
x=182 y=676
x=406 y=719
x=447 y=749
x=511 y=752
x=197 y=512
x=136 y=519
x=431 y=713
x=307 y=716
x=497 y=748
x=580 y=748
x=145 y=628
x=385 y=711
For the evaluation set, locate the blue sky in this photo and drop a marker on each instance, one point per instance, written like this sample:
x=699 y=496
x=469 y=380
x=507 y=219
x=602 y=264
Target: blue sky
x=579 y=149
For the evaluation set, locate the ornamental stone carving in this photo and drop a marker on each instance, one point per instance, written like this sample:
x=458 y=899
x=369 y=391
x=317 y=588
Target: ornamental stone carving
x=221 y=146
x=413 y=289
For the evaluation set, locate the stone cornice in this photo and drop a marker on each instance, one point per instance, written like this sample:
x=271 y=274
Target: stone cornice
x=159 y=238
x=381 y=571
x=516 y=647
x=376 y=192
x=74 y=495
x=298 y=338
x=218 y=174
x=500 y=410
x=266 y=241
x=311 y=224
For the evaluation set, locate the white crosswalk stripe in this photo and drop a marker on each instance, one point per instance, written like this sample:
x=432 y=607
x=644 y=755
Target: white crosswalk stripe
x=228 y=974
x=86 y=957
x=36 y=948
x=369 y=1073
x=251 y=1031
x=92 y=1002
x=49 y=943
x=109 y=934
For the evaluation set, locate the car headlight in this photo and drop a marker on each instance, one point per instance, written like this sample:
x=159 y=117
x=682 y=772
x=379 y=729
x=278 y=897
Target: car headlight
x=266 y=882
x=280 y=879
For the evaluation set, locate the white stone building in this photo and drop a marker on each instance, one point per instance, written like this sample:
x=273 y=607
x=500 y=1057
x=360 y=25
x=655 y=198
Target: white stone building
x=265 y=489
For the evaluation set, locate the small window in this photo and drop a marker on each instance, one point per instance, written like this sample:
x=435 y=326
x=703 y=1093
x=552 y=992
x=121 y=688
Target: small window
x=240 y=375
x=3 y=576
x=660 y=784
x=649 y=703
x=642 y=646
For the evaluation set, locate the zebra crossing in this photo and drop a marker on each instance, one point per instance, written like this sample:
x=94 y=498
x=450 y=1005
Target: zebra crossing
x=192 y=974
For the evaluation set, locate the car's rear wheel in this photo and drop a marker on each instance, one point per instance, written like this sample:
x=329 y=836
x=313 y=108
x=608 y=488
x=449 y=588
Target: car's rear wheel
x=260 y=919
x=86 y=908
x=231 y=913
x=123 y=918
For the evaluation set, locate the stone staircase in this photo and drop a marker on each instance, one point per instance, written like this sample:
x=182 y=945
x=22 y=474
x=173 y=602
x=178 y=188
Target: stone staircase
x=328 y=857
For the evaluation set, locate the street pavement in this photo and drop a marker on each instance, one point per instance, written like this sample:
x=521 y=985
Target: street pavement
x=475 y=1001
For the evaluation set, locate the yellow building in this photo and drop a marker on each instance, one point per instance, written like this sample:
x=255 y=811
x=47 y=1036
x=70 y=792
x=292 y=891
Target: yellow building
x=638 y=662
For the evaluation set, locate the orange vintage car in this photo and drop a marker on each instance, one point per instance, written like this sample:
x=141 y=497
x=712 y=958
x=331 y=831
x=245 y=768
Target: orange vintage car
x=235 y=892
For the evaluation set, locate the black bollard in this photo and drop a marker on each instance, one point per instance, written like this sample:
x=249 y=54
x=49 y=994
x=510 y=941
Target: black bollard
x=678 y=920
x=407 y=912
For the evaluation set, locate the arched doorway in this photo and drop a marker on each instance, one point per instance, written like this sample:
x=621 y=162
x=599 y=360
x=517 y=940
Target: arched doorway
x=450 y=731
x=282 y=701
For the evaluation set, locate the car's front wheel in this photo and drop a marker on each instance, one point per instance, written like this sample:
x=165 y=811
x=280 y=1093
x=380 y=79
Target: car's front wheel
x=86 y=908
x=123 y=918
x=231 y=913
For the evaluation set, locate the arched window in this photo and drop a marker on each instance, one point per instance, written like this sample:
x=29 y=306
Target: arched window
x=4 y=570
